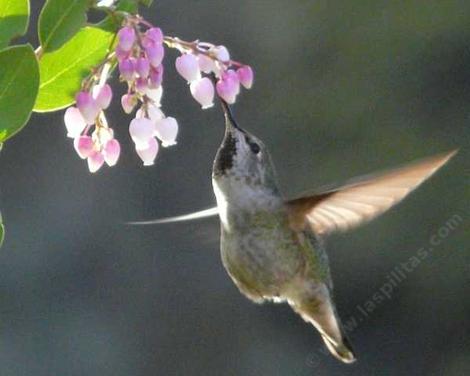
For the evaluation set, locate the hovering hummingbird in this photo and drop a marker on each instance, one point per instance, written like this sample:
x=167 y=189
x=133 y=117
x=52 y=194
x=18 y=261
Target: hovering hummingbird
x=273 y=248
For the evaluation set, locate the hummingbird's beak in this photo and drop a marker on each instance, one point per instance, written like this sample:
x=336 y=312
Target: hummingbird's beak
x=230 y=122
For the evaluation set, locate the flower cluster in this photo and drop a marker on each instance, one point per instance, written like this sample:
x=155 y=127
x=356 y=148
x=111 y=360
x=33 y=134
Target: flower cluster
x=139 y=55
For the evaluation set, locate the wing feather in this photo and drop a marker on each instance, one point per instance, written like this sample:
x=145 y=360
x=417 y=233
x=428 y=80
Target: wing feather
x=362 y=199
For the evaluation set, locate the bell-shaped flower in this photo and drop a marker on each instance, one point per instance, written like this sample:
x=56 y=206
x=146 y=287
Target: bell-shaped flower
x=87 y=106
x=141 y=130
x=206 y=64
x=155 y=95
x=155 y=54
x=142 y=67
x=155 y=34
x=152 y=112
x=127 y=69
x=221 y=53
x=103 y=96
x=128 y=102
x=166 y=130
x=111 y=152
x=95 y=161
x=188 y=67
x=83 y=146
x=245 y=76
x=141 y=85
x=228 y=88
x=126 y=38
x=74 y=122
x=156 y=77
x=148 y=152
x=203 y=91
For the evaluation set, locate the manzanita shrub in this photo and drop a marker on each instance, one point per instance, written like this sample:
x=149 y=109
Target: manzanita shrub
x=73 y=69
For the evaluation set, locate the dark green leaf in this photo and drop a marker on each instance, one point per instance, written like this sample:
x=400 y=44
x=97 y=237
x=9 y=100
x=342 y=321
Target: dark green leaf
x=14 y=17
x=147 y=3
x=129 y=6
x=19 y=82
x=59 y=21
x=63 y=70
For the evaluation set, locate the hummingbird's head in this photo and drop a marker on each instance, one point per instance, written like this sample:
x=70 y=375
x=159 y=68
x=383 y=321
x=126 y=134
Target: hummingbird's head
x=242 y=162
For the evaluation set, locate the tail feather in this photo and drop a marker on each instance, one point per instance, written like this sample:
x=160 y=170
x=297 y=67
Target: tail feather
x=313 y=302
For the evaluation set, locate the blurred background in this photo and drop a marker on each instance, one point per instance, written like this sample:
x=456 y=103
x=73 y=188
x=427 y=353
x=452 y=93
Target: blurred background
x=342 y=88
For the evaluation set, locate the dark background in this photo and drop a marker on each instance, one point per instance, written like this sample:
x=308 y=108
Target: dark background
x=342 y=88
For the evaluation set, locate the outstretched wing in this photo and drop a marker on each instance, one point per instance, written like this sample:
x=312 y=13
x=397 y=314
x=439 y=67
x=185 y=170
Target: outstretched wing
x=363 y=199
x=181 y=218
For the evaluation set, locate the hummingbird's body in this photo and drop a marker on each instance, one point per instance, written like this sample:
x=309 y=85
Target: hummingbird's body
x=272 y=248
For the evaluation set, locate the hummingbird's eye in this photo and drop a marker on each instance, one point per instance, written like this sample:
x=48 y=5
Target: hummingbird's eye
x=254 y=147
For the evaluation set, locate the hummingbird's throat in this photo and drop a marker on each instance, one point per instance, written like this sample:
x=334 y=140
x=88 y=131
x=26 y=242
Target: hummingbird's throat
x=225 y=155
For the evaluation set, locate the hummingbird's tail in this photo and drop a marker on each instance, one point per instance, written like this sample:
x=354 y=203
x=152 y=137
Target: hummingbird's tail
x=313 y=302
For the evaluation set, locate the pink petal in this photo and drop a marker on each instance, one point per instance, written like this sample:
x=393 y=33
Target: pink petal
x=141 y=130
x=103 y=99
x=87 y=106
x=111 y=152
x=227 y=89
x=203 y=91
x=188 y=67
x=74 y=122
x=155 y=54
x=156 y=77
x=127 y=69
x=95 y=161
x=126 y=38
x=166 y=130
x=245 y=75
x=83 y=146
x=128 y=103
x=222 y=53
x=142 y=67
x=148 y=152
x=206 y=64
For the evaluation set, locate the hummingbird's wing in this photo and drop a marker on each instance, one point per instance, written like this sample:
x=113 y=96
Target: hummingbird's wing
x=185 y=217
x=362 y=199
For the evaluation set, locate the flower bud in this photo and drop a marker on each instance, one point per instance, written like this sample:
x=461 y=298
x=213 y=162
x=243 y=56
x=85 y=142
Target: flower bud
x=141 y=85
x=83 y=146
x=87 y=106
x=221 y=53
x=141 y=130
x=156 y=77
x=155 y=35
x=203 y=91
x=128 y=103
x=127 y=69
x=155 y=54
x=74 y=122
x=126 y=38
x=230 y=74
x=104 y=96
x=188 y=67
x=121 y=54
x=166 y=130
x=111 y=152
x=142 y=67
x=245 y=75
x=95 y=161
x=206 y=64
x=148 y=152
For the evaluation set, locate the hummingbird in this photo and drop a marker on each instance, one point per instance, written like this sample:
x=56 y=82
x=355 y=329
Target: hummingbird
x=273 y=248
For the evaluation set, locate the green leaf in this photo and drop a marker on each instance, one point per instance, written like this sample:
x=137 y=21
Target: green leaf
x=63 y=70
x=19 y=82
x=129 y=6
x=14 y=18
x=59 y=21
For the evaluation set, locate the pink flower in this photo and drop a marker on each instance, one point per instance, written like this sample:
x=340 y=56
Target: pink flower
x=141 y=130
x=206 y=64
x=203 y=91
x=156 y=77
x=142 y=67
x=228 y=88
x=74 y=122
x=128 y=103
x=87 y=106
x=166 y=130
x=188 y=67
x=83 y=146
x=126 y=38
x=148 y=152
x=245 y=75
x=121 y=54
x=111 y=152
x=95 y=161
x=104 y=96
x=141 y=85
x=154 y=35
x=127 y=69
x=155 y=54
x=221 y=53
x=153 y=113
